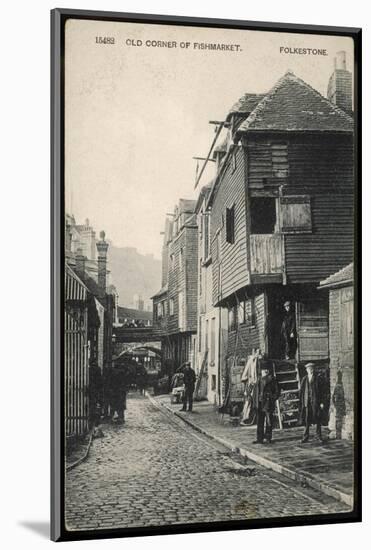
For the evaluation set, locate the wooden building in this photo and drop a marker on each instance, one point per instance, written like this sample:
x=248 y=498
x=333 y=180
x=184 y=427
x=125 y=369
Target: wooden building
x=211 y=322
x=281 y=219
x=339 y=287
x=175 y=305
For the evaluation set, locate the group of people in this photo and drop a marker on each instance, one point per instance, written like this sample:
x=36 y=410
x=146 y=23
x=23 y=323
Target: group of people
x=108 y=390
x=266 y=392
x=134 y=323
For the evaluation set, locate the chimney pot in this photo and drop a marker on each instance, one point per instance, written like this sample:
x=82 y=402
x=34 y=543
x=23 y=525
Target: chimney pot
x=341 y=62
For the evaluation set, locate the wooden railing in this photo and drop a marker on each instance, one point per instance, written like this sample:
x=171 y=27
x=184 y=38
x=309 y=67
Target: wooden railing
x=266 y=254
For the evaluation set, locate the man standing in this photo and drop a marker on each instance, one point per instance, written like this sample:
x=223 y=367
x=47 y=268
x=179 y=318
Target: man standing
x=288 y=331
x=311 y=402
x=95 y=392
x=119 y=383
x=266 y=393
x=189 y=379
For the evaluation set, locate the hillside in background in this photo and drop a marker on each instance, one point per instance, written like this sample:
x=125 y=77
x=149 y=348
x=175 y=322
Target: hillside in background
x=133 y=273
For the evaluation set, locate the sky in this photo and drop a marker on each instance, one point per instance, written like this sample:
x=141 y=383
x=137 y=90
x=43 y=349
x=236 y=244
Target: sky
x=135 y=115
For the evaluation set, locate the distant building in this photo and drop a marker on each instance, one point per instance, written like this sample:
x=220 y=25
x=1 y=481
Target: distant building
x=138 y=302
x=82 y=237
x=175 y=305
x=128 y=315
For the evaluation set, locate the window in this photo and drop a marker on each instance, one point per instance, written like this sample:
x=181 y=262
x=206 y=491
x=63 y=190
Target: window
x=171 y=306
x=160 y=310
x=263 y=215
x=213 y=382
x=232 y=318
x=207 y=335
x=246 y=312
x=212 y=341
x=296 y=214
x=234 y=161
x=280 y=164
x=200 y=278
x=229 y=222
x=172 y=261
x=206 y=227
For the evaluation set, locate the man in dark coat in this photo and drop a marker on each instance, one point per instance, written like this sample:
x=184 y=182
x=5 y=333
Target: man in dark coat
x=311 y=402
x=107 y=406
x=119 y=384
x=288 y=331
x=95 y=392
x=189 y=380
x=265 y=395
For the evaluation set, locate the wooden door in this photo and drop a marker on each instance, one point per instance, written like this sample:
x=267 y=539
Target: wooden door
x=312 y=329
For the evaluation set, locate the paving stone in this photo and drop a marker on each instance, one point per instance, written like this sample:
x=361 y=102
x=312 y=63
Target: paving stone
x=152 y=471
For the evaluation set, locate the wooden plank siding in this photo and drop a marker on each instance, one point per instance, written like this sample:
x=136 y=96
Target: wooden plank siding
x=322 y=168
x=76 y=375
x=182 y=278
x=241 y=342
x=229 y=259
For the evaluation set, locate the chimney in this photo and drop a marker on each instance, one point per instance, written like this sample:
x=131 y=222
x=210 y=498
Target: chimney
x=80 y=262
x=102 y=247
x=339 y=90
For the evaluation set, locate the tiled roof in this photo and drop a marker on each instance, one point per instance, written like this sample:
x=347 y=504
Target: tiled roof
x=132 y=313
x=293 y=105
x=245 y=104
x=93 y=288
x=162 y=291
x=343 y=276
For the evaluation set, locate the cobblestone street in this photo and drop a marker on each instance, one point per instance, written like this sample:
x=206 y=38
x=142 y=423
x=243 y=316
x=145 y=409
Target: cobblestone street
x=154 y=470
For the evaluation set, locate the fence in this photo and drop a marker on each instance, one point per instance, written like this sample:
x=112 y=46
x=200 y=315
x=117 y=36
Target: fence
x=76 y=356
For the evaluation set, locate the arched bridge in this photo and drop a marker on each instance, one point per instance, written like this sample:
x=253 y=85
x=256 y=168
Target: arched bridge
x=126 y=335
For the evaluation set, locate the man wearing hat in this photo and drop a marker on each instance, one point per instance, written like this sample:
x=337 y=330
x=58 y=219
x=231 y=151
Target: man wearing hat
x=189 y=380
x=265 y=395
x=311 y=402
x=288 y=331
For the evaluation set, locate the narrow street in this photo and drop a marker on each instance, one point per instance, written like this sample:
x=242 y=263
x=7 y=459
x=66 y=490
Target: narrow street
x=155 y=470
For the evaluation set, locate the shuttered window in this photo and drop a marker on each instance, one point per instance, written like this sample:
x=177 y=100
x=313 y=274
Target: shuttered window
x=296 y=214
x=229 y=222
x=280 y=163
x=206 y=236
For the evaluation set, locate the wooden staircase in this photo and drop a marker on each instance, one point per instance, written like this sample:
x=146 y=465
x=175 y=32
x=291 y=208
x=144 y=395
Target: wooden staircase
x=288 y=404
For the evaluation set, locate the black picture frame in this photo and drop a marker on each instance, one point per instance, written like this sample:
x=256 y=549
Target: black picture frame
x=58 y=20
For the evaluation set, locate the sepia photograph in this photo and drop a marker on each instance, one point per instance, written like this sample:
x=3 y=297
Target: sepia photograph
x=207 y=205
